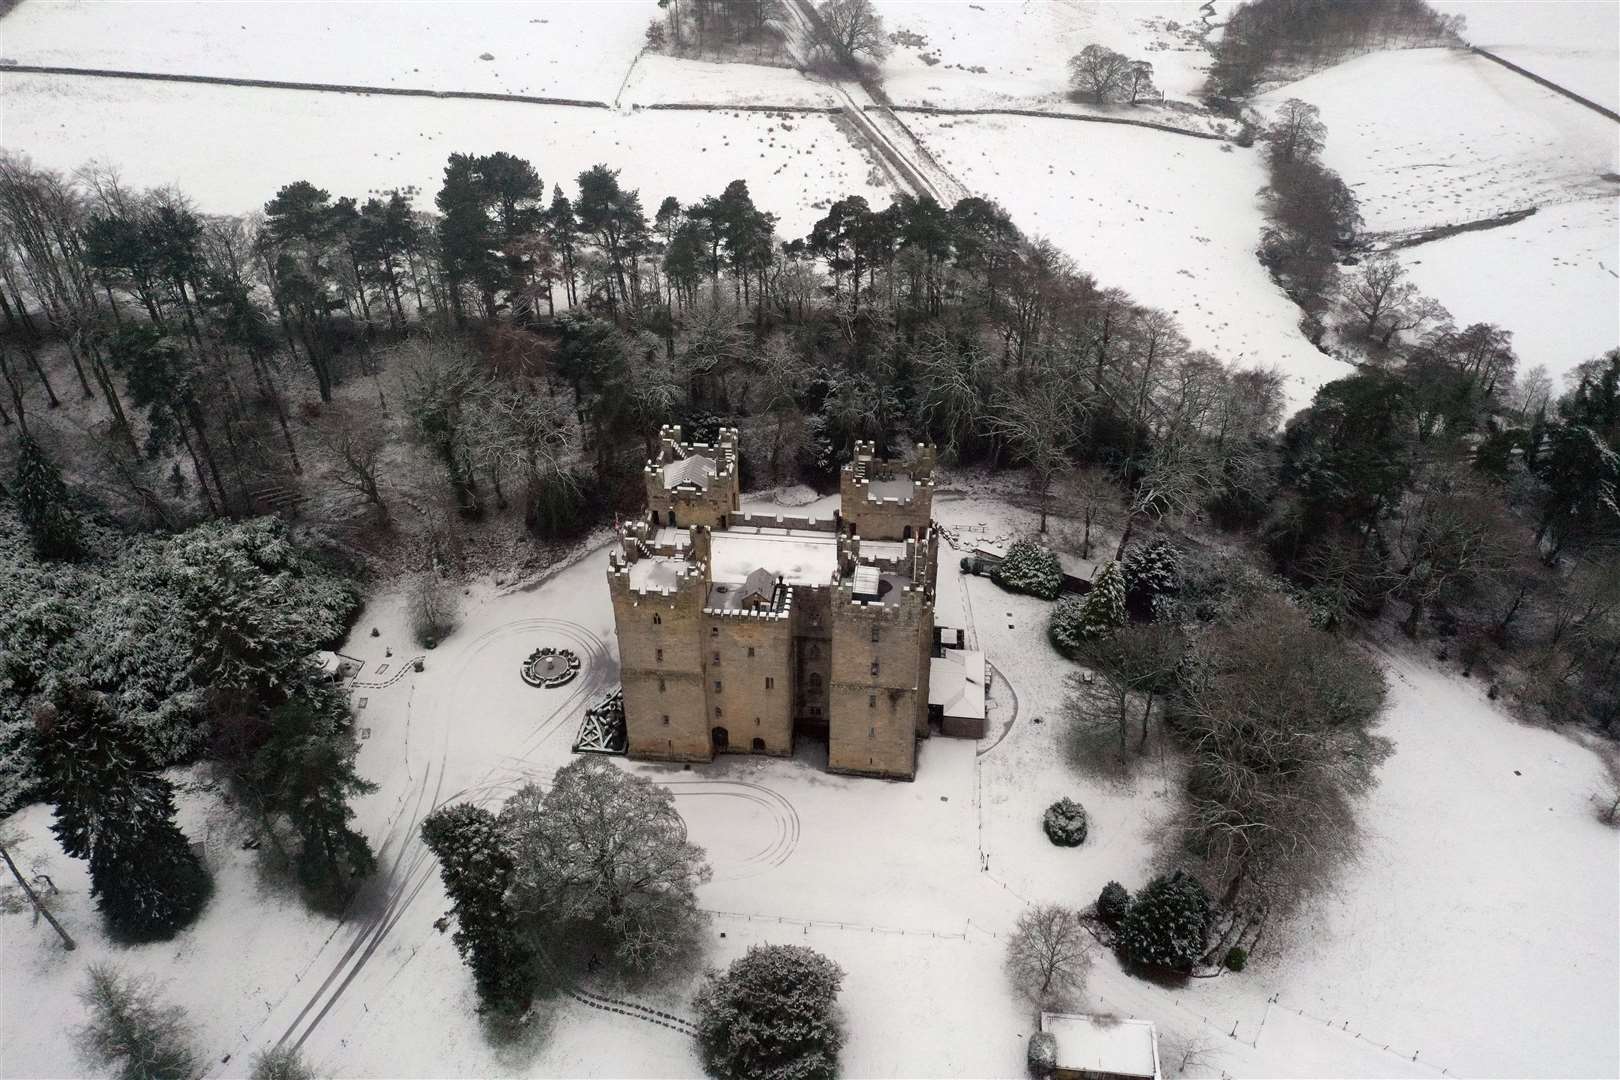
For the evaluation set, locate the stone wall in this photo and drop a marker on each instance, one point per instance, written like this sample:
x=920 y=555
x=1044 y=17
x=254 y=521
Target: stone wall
x=877 y=715
x=749 y=663
x=661 y=663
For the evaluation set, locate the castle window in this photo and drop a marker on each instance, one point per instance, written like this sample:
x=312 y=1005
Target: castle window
x=714 y=631
x=717 y=658
x=874 y=668
x=658 y=620
x=717 y=686
x=660 y=684
x=666 y=719
x=876 y=634
x=871 y=733
x=658 y=655
x=871 y=701
x=770 y=683
x=750 y=650
x=815 y=651
x=815 y=682
x=717 y=712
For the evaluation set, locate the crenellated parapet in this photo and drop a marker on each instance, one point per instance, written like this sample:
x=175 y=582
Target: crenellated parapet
x=884 y=499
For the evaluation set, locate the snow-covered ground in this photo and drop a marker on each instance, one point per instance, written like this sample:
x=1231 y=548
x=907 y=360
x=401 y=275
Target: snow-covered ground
x=1553 y=279
x=230 y=148
x=1173 y=220
x=535 y=49
x=1485 y=141
x=1024 y=48
x=1482 y=908
x=1574 y=43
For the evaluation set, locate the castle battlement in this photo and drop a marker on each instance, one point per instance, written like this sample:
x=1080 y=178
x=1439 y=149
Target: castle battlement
x=785 y=521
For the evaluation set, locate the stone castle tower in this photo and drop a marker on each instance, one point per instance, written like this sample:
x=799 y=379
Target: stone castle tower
x=739 y=633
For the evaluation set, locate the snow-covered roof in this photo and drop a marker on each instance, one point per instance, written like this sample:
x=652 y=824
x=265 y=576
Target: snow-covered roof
x=1104 y=1044
x=330 y=663
x=695 y=470
x=798 y=556
x=656 y=573
x=866 y=583
x=901 y=487
x=956 y=683
x=761 y=583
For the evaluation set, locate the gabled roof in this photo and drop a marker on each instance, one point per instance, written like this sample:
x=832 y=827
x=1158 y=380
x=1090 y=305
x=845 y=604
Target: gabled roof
x=760 y=583
x=956 y=683
x=696 y=470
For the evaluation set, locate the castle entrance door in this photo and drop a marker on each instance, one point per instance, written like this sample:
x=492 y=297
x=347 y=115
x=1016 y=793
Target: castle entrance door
x=722 y=739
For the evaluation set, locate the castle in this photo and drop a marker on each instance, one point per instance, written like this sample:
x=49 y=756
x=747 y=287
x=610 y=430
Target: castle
x=739 y=631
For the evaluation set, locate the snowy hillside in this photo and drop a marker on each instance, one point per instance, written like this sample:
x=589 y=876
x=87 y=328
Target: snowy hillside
x=1576 y=43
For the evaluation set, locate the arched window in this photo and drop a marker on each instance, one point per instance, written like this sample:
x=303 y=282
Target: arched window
x=815 y=682
x=658 y=620
x=815 y=651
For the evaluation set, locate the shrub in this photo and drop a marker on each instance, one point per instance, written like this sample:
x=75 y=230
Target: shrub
x=1152 y=575
x=1113 y=903
x=285 y=1063
x=1065 y=823
x=1167 y=924
x=1237 y=958
x=771 y=1016
x=1077 y=620
x=1029 y=568
x=131 y=1031
x=1042 y=1053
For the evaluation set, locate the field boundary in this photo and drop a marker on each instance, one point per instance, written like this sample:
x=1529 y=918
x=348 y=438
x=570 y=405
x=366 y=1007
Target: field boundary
x=1549 y=84
x=703 y=106
x=281 y=84
x=941 y=110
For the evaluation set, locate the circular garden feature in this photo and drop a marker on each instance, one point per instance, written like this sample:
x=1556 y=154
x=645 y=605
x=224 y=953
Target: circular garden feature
x=547 y=667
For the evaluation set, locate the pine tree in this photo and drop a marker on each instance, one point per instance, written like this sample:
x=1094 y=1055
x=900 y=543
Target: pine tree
x=1029 y=568
x=42 y=504
x=476 y=866
x=132 y=1031
x=771 y=1016
x=1167 y=923
x=1152 y=578
x=1077 y=620
x=146 y=880
x=305 y=771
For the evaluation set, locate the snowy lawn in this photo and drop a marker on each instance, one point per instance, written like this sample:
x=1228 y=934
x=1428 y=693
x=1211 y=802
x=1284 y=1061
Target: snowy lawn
x=1171 y=219
x=1482 y=909
x=230 y=148
x=535 y=48
x=1485 y=140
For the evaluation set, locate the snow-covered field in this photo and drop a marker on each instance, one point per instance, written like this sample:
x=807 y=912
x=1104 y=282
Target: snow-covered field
x=1574 y=43
x=1485 y=141
x=1482 y=908
x=1173 y=220
x=535 y=48
x=1024 y=48
x=230 y=148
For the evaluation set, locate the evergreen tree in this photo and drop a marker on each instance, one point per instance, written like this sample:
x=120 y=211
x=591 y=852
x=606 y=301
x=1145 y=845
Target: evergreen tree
x=771 y=1016
x=1079 y=619
x=1029 y=568
x=305 y=771
x=42 y=504
x=1167 y=923
x=1113 y=903
x=146 y=880
x=476 y=866
x=1152 y=578
x=131 y=1031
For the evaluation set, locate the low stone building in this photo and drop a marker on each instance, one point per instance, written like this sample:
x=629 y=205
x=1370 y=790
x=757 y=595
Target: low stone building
x=739 y=632
x=1102 y=1047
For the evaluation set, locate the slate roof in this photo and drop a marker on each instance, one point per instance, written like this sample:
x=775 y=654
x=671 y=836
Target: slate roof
x=696 y=470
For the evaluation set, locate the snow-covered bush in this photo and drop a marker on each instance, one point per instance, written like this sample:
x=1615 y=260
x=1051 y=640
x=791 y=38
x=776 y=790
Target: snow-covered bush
x=1113 y=903
x=131 y=1031
x=1042 y=1053
x=1237 y=958
x=281 y=1063
x=1078 y=619
x=1167 y=923
x=1029 y=568
x=1065 y=823
x=772 y=1015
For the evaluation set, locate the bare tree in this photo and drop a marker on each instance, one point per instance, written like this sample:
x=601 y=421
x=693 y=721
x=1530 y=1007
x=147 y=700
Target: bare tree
x=1136 y=664
x=1038 y=421
x=853 y=29
x=1178 y=474
x=1048 y=955
x=1100 y=72
x=8 y=841
x=1451 y=534
x=432 y=608
x=356 y=448
x=1296 y=133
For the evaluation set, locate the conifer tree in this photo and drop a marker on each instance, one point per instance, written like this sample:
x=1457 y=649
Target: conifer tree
x=42 y=503
x=132 y=1031
x=476 y=866
x=1079 y=619
x=771 y=1016
x=111 y=811
x=305 y=771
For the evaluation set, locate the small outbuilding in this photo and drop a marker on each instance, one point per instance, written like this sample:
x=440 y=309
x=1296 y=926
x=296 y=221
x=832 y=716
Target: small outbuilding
x=1103 y=1047
x=956 y=692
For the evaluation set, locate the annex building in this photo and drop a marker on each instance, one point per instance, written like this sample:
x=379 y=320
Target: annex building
x=738 y=632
